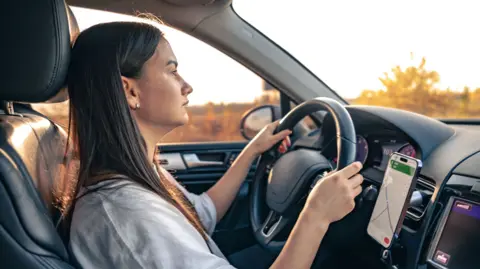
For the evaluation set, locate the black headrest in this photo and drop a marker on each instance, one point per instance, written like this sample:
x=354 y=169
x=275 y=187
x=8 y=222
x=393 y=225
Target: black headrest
x=35 y=49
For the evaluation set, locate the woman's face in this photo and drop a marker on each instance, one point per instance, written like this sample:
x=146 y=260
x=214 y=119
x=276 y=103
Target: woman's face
x=161 y=93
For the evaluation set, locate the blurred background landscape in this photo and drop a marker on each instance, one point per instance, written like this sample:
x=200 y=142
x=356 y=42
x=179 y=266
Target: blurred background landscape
x=413 y=88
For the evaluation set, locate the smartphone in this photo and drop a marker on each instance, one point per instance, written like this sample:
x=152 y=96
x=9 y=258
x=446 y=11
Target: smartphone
x=393 y=198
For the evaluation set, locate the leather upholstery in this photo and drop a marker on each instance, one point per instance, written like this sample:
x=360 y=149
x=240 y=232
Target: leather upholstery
x=37 y=48
x=35 y=42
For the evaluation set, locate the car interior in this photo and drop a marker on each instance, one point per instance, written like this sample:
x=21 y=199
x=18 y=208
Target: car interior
x=440 y=227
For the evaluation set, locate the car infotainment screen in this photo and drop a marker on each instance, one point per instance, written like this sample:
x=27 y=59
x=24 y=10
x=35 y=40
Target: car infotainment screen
x=457 y=243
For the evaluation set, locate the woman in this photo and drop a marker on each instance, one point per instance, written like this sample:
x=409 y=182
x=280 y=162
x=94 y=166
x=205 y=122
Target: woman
x=125 y=95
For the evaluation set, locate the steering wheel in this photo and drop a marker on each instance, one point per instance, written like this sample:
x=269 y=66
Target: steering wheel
x=291 y=174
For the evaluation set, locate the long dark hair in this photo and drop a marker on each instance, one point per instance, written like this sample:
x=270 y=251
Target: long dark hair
x=105 y=135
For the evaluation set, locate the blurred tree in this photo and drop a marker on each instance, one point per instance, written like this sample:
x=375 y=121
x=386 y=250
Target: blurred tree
x=410 y=89
x=415 y=89
x=268 y=97
x=465 y=102
x=474 y=107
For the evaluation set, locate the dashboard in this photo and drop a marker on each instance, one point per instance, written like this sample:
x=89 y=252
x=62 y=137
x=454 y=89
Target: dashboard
x=373 y=151
x=450 y=175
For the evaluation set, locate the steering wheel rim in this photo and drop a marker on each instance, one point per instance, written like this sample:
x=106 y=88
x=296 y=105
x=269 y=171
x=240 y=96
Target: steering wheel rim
x=312 y=164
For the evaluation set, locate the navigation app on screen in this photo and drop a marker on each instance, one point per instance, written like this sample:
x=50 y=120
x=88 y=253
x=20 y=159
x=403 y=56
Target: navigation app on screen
x=390 y=202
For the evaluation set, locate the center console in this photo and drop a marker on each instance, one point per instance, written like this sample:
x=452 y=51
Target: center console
x=456 y=243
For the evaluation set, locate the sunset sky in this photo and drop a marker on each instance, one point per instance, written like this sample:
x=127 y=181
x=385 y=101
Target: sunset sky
x=348 y=44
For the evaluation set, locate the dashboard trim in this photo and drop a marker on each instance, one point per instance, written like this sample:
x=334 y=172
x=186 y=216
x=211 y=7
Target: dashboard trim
x=426 y=183
x=469 y=166
x=416 y=126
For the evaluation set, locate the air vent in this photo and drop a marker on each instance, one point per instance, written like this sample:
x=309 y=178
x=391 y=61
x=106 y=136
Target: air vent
x=420 y=199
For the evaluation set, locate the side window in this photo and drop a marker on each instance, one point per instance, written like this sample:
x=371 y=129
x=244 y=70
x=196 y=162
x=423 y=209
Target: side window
x=223 y=89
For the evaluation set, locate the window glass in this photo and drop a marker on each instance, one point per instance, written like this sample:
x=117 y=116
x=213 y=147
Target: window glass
x=420 y=56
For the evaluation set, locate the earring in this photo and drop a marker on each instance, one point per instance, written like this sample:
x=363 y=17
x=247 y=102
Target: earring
x=137 y=106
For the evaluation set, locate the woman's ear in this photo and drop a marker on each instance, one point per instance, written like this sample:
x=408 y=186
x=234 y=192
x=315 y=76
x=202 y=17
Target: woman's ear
x=131 y=92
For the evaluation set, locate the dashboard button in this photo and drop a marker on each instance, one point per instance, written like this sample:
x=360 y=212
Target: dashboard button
x=441 y=257
x=476 y=188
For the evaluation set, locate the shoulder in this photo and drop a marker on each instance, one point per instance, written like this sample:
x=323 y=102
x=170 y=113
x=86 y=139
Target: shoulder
x=120 y=200
x=131 y=225
x=127 y=226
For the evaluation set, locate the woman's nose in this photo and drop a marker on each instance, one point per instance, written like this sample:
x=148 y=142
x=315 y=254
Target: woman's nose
x=187 y=89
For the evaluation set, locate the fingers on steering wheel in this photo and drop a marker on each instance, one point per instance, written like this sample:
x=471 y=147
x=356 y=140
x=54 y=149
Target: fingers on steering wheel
x=288 y=141
x=272 y=126
x=356 y=180
x=357 y=190
x=285 y=144
x=351 y=170
x=282 y=135
x=282 y=148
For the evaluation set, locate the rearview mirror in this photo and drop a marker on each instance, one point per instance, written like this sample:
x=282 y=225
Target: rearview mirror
x=255 y=119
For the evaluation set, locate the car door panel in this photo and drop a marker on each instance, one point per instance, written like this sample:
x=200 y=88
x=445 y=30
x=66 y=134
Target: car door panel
x=198 y=166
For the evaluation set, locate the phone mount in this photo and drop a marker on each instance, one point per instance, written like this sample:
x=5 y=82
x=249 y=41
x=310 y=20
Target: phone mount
x=386 y=255
x=387 y=259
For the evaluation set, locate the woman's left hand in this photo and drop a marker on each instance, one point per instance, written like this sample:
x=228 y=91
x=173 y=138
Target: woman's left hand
x=265 y=139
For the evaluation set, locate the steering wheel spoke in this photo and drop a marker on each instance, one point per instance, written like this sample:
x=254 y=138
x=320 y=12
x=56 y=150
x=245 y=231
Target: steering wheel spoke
x=272 y=226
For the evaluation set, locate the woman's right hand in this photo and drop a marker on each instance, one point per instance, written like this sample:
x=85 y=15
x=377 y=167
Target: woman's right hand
x=332 y=198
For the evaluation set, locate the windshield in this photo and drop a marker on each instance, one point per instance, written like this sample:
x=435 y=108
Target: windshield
x=421 y=56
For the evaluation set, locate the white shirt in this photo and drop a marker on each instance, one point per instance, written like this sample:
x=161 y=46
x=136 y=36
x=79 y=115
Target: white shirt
x=123 y=225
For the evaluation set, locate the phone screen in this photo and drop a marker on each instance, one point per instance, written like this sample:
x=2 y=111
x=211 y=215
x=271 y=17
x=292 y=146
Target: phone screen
x=393 y=198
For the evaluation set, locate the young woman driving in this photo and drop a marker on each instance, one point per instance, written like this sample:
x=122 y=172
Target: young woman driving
x=125 y=95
